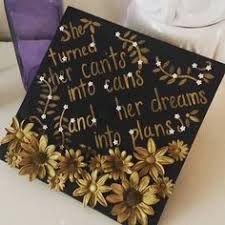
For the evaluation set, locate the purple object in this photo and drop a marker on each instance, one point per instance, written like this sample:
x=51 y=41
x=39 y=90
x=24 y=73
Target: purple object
x=32 y=24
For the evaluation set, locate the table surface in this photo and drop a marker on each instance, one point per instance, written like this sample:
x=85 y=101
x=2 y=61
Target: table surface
x=198 y=197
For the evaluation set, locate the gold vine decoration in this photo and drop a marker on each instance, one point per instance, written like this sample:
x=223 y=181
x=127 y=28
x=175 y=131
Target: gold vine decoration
x=48 y=98
x=186 y=122
x=192 y=117
x=61 y=129
x=134 y=48
x=92 y=25
x=173 y=75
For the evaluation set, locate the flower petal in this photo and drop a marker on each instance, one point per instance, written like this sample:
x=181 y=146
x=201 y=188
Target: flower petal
x=151 y=146
x=150 y=197
x=117 y=188
x=141 y=153
x=51 y=171
x=125 y=184
x=142 y=217
x=43 y=142
x=53 y=163
x=94 y=175
x=113 y=198
x=144 y=183
x=102 y=179
x=7 y=139
x=42 y=172
x=118 y=208
x=123 y=216
x=25 y=170
x=105 y=189
x=55 y=156
x=139 y=165
x=145 y=170
x=28 y=127
x=15 y=123
x=101 y=199
x=93 y=201
x=50 y=149
x=80 y=192
x=165 y=160
x=132 y=220
x=147 y=209
x=134 y=179
x=10 y=130
x=86 y=199
x=161 y=152
x=160 y=168
x=154 y=173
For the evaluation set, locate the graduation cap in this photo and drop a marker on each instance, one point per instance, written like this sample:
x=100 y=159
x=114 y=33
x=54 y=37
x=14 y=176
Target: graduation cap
x=111 y=117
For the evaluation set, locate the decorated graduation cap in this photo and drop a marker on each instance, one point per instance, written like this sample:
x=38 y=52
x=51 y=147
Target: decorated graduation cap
x=111 y=117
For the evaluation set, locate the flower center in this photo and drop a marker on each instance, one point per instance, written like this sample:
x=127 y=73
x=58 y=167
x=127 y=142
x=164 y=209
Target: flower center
x=163 y=186
x=72 y=164
x=57 y=180
x=117 y=163
x=175 y=149
x=93 y=188
x=151 y=159
x=14 y=158
x=133 y=197
x=41 y=158
x=98 y=165
x=20 y=135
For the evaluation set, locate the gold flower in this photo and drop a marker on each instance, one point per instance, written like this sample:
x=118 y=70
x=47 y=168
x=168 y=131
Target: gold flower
x=92 y=188
x=57 y=182
x=164 y=186
x=118 y=164
x=97 y=163
x=17 y=134
x=39 y=159
x=13 y=158
x=178 y=150
x=71 y=165
x=133 y=200
x=151 y=160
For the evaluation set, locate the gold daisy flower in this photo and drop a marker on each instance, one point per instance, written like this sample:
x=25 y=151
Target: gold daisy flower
x=164 y=186
x=17 y=134
x=39 y=158
x=13 y=158
x=92 y=188
x=57 y=183
x=72 y=165
x=118 y=164
x=178 y=150
x=151 y=160
x=133 y=200
x=97 y=163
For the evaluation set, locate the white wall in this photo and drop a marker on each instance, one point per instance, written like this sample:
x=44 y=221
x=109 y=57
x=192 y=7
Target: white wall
x=4 y=30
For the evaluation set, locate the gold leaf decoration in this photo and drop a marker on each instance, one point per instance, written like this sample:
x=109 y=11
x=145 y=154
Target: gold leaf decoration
x=48 y=98
x=192 y=117
x=179 y=75
x=134 y=47
x=60 y=126
x=92 y=25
